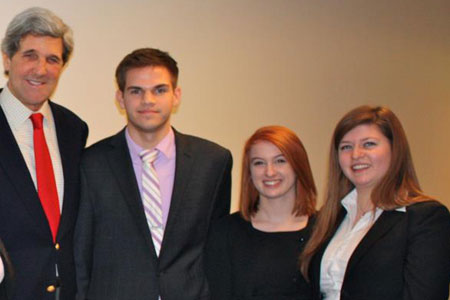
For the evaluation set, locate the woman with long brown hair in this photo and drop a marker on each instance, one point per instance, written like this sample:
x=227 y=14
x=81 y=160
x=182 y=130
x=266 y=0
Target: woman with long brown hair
x=253 y=254
x=377 y=236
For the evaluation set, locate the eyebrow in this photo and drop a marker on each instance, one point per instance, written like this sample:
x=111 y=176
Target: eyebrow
x=363 y=140
x=257 y=157
x=161 y=85
x=134 y=87
x=29 y=51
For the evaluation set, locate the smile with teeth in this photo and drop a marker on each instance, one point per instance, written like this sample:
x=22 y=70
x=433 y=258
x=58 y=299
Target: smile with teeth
x=271 y=182
x=35 y=82
x=360 y=167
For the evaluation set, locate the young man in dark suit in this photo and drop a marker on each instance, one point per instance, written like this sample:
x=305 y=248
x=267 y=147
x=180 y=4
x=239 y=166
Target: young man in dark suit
x=41 y=145
x=142 y=225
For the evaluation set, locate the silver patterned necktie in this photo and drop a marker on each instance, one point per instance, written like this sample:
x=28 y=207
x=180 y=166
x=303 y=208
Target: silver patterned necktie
x=151 y=197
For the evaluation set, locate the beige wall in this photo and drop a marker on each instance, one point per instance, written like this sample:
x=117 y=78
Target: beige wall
x=245 y=64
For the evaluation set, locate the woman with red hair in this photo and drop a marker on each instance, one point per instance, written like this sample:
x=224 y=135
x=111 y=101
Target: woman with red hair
x=253 y=254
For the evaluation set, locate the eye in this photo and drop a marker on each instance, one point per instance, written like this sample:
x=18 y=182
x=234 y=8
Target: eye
x=345 y=147
x=54 y=60
x=280 y=160
x=30 y=55
x=257 y=162
x=369 y=144
x=161 y=90
x=135 y=91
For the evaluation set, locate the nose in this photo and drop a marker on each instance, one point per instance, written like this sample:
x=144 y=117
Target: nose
x=41 y=67
x=357 y=152
x=270 y=170
x=148 y=98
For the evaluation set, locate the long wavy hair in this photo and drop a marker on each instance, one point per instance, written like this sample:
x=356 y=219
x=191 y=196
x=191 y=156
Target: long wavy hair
x=399 y=186
x=294 y=152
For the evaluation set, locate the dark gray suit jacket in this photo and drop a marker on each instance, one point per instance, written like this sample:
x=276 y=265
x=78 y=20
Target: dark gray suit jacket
x=114 y=253
x=404 y=256
x=24 y=227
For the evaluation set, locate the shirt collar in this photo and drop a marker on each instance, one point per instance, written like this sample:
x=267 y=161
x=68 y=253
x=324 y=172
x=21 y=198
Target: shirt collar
x=349 y=203
x=166 y=146
x=17 y=113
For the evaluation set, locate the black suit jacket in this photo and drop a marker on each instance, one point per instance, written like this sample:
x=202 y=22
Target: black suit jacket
x=405 y=255
x=24 y=227
x=114 y=252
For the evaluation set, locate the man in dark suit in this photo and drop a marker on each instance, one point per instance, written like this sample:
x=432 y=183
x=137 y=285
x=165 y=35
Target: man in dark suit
x=39 y=160
x=141 y=234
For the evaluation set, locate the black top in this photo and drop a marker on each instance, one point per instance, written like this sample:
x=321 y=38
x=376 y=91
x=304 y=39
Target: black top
x=245 y=263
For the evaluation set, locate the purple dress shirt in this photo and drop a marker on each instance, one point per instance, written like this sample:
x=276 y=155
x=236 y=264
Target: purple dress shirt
x=164 y=166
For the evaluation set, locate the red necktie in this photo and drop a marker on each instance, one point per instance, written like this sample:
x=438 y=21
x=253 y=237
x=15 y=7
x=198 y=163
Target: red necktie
x=45 y=177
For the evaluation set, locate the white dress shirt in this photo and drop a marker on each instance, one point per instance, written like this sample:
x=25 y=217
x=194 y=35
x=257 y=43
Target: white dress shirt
x=18 y=117
x=343 y=244
x=2 y=270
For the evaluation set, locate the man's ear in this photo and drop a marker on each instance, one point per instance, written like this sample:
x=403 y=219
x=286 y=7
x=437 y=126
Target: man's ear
x=119 y=98
x=6 y=62
x=177 y=96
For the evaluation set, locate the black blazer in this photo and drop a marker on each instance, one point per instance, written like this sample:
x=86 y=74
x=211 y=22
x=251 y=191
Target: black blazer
x=24 y=227
x=114 y=252
x=405 y=255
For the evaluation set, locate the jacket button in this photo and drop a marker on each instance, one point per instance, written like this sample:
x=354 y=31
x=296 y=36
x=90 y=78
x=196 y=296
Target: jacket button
x=51 y=288
x=57 y=246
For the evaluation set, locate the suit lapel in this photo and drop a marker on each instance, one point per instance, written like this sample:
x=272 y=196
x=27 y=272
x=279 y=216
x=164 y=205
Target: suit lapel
x=65 y=146
x=383 y=225
x=14 y=166
x=122 y=168
x=183 y=168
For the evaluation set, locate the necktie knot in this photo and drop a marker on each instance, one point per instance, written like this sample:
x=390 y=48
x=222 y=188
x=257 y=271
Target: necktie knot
x=36 y=119
x=149 y=156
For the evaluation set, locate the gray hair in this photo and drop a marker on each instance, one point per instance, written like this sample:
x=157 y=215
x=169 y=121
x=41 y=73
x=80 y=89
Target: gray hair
x=40 y=22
